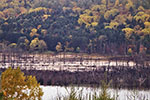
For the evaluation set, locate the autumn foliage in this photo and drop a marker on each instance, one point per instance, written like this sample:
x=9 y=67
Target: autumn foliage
x=41 y=25
x=20 y=87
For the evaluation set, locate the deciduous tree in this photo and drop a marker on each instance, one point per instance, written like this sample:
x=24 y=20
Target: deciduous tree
x=20 y=87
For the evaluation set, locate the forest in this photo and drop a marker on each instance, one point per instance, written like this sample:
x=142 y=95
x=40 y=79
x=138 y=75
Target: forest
x=112 y=27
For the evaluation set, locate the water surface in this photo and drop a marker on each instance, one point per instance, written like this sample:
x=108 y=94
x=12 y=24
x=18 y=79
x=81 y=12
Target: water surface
x=53 y=92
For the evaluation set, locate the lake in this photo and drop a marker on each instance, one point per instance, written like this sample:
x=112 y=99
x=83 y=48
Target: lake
x=52 y=92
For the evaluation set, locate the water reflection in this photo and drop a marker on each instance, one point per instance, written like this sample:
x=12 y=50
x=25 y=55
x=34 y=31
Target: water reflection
x=53 y=92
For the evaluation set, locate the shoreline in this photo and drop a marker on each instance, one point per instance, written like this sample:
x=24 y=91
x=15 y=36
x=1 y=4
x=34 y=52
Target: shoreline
x=120 y=77
x=81 y=70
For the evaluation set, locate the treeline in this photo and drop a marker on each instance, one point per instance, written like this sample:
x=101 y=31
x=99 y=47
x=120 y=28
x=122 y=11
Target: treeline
x=90 y=26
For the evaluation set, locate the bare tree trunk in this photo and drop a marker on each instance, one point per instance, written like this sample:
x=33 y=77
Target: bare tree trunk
x=64 y=57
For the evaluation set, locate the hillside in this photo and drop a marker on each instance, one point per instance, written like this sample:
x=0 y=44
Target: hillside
x=91 y=26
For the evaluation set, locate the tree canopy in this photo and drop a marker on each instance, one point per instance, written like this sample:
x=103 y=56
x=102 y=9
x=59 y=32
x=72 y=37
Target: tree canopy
x=20 y=87
x=35 y=25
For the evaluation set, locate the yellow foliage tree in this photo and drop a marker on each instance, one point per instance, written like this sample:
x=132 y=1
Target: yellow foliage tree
x=39 y=26
x=129 y=5
x=26 y=42
x=23 y=10
x=37 y=44
x=44 y=32
x=13 y=8
x=112 y=25
x=12 y=45
x=147 y=24
x=66 y=8
x=19 y=87
x=121 y=19
x=99 y=7
x=38 y=9
x=130 y=51
x=10 y=12
x=128 y=32
x=138 y=30
x=111 y=12
x=94 y=24
x=116 y=3
x=58 y=47
x=146 y=31
x=45 y=17
x=90 y=17
x=140 y=8
x=104 y=2
x=76 y=9
x=2 y=15
x=34 y=44
x=34 y=32
x=106 y=9
x=142 y=17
